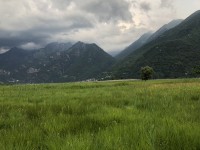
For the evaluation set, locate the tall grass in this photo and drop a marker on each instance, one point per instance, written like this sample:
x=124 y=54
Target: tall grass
x=162 y=114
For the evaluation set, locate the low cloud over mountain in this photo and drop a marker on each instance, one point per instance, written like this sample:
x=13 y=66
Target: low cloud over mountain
x=113 y=24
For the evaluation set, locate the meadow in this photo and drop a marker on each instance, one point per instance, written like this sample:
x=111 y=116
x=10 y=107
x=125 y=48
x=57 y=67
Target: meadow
x=120 y=115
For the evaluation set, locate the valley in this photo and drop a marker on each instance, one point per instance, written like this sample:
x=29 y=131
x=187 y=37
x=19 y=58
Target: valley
x=172 y=51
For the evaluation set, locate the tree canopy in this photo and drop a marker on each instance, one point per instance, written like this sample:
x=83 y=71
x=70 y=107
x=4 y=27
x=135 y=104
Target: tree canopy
x=146 y=73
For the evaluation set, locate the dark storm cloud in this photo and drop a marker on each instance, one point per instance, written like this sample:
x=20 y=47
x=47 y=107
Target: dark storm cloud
x=43 y=31
x=109 y=23
x=14 y=38
x=39 y=21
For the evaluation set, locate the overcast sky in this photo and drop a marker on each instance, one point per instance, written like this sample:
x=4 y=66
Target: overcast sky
x=112 y=24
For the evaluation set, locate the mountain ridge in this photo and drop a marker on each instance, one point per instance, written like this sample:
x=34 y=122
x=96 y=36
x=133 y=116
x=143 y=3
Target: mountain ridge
x=146 y=38
x=175 y=49
x=135 y=45
x=79 y=62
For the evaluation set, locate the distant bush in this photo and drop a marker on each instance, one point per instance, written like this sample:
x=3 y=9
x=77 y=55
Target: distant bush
x=146 y=73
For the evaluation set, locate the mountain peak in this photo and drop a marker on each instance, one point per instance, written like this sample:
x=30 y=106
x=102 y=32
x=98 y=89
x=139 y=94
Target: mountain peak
x=196 y=14
x=80 y=43
x=81 y=46
x=57 y=47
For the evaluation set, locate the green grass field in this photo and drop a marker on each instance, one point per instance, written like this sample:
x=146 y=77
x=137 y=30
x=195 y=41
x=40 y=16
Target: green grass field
x=121 y=115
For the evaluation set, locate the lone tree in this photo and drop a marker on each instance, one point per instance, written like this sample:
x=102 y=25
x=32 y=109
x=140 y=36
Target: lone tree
x=146 y=73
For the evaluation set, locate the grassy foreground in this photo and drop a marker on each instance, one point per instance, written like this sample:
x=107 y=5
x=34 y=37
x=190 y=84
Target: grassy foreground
x=162 y=114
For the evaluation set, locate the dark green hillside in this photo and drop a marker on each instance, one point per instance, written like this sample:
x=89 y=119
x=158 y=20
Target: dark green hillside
x=146 y=38
x=14 y=63
x=14 y=57
x=80 y=62
x=135 y=45
x=54 y=63
x=164 y=28
x=172 y=55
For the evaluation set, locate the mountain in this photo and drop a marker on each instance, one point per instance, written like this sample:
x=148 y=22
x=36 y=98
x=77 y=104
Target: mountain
x=137 y=44
x=147 y=37
x=12 y=62
x=54 y=47
x=57 y=47
x=15 y=56
x=80 y=62
x=54 y=63
x=173 y=54
x=92 y=58
x=164 y=28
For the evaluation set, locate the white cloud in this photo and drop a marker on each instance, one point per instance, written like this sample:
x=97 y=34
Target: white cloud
x=113 y=24
x=3 y=50
x=30 y=46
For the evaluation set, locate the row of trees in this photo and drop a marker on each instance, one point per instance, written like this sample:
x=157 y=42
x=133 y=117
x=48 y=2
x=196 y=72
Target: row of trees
x=147 y=72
